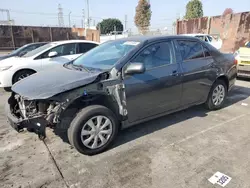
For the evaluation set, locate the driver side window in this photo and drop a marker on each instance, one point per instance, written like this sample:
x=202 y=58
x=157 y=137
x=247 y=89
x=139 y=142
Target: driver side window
x=156 y=55
x=62 y=50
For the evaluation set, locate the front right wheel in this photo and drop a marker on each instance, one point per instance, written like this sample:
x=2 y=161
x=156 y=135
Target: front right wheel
x=217 y=95
x=93 y=130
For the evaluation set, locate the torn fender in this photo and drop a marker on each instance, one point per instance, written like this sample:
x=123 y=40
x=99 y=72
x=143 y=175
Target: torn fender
x=112 y=88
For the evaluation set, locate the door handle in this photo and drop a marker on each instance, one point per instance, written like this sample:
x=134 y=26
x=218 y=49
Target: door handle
x=175 y=73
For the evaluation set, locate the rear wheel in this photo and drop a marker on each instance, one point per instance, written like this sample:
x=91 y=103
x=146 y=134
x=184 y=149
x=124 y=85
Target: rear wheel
x=217 y=95
x=21 y=75
x=93 y=130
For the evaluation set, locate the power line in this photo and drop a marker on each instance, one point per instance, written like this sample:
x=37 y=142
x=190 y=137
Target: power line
x=76 y=16
x=37 y=13
x=82 y=18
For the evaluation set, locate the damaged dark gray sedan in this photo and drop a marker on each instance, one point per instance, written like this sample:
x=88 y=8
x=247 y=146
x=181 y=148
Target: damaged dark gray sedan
x=121 y=83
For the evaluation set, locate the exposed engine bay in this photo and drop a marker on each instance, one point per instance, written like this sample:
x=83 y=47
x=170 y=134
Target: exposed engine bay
x=37 y=114
x=26 y=109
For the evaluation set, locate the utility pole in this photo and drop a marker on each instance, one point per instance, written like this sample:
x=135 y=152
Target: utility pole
x=100 y=28
x=90 y=21
x=87 y=19
x=125 y=22
x=69 y=19
x=83 y=18
x=115 y=31
x=87 y=1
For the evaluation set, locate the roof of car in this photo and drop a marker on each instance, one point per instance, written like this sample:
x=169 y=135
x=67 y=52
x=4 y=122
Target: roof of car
x=39 y=43
x=153 y=38
x=72 y=41
x=36 y=43
x=194 y=34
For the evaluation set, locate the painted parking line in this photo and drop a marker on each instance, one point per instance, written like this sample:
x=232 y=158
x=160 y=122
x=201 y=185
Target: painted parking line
x=208 y=129
x=244 y=104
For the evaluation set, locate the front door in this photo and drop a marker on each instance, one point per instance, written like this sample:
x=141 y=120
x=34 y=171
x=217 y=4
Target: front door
x=158 y=89
x=66 y=53
x=199 y=71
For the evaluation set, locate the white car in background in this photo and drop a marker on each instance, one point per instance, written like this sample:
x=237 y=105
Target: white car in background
x=43 y=58
x=217 y=43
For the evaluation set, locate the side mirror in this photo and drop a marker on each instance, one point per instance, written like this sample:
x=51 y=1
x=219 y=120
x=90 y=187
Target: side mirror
x=52 y=54
x=135 y=68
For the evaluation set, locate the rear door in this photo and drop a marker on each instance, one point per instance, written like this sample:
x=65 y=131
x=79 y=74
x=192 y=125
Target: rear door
x=83 y=47
x=199 y=71
x=158 y=89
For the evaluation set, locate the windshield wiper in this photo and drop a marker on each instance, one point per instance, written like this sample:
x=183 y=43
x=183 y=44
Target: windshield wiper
x=81 y=67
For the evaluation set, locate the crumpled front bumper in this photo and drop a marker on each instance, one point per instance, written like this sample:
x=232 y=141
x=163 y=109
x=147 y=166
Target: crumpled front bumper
x=37 y=124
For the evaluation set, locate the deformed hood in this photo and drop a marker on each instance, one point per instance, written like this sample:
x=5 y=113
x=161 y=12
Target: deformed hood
x=46 y=84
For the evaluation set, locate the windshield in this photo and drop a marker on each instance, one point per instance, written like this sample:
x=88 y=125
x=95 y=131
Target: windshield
x=19 y=49
x=106 y=55
x=37 y=50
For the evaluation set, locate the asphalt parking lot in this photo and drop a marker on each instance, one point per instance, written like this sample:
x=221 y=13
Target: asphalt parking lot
x=180 y=150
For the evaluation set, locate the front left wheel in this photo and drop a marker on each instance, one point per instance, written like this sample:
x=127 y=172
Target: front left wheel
x=93 y=130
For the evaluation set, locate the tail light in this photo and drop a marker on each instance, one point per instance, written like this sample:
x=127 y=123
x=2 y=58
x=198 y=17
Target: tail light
x=235 y=61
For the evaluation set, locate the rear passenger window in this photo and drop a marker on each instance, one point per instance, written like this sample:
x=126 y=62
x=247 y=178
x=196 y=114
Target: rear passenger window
x=190 y=50
x=84 y=47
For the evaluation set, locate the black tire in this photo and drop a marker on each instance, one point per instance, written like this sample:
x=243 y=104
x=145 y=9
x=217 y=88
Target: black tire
x=74 y=131
x=209 y=103
x=22 y=74
x=7 y=89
